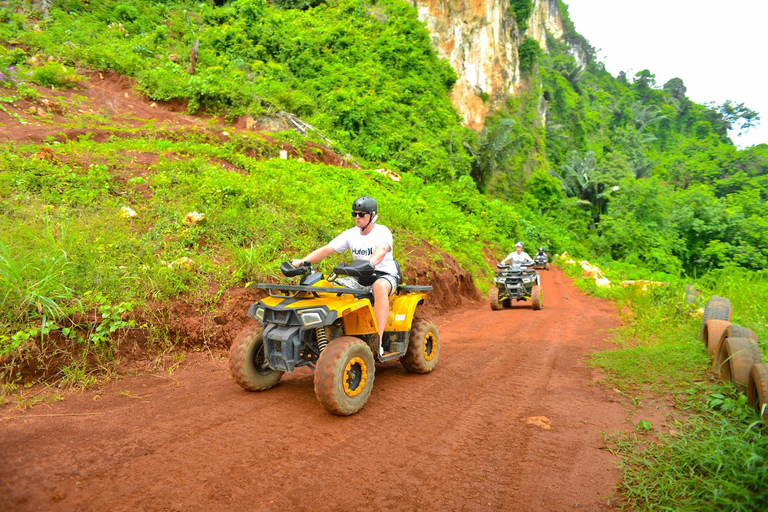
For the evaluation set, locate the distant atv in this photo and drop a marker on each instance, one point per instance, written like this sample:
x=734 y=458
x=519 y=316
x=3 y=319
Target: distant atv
x=541 y=260
x=515 y=282
x=331 y=329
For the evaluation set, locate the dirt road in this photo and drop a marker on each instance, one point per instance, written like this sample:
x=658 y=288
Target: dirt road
x=507 y=421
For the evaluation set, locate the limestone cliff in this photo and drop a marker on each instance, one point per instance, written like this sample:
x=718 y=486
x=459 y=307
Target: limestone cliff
x=480 y=39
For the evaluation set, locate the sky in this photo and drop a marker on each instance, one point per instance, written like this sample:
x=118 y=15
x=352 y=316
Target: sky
x=718 y=48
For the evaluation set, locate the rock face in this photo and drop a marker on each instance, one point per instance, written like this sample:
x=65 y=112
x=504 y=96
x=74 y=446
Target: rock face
x=480 y=39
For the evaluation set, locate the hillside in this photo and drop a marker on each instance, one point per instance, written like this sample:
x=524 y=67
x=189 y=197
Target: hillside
x=71 y=257
x=159 y=158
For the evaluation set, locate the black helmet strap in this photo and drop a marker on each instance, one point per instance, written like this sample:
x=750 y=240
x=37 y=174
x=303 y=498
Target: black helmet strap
x=370 y=221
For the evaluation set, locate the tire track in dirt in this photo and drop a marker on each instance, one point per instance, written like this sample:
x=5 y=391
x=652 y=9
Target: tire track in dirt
x=455 y=439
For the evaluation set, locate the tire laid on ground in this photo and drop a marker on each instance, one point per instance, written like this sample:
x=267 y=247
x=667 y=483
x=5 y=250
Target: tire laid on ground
x=757 y=390
x=423 y=347
x=737 y=331
x=713 y=334
x=344 y=375
x=732 y=331
x=247 y=361
x=493 y=296
x=735 y=359
x=714 y=310
x=722 y=300
x=537 y=298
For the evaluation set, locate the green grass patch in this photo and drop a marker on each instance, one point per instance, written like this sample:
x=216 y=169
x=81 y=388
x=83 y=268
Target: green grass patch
x=714 y=454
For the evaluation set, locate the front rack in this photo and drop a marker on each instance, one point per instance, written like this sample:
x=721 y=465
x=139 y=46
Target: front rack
x=296 y=288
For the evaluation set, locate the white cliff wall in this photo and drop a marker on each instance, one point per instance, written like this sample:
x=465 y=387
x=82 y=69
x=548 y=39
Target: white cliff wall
x=480 y=39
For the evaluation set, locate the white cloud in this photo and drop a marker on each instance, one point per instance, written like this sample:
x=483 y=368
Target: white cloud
x=717 y=48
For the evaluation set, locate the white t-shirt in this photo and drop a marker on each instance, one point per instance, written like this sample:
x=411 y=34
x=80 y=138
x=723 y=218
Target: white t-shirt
x=362 y=246
x=519 y=258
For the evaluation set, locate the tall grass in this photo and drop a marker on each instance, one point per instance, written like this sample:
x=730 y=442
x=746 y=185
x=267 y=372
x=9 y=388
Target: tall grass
x=713 y=454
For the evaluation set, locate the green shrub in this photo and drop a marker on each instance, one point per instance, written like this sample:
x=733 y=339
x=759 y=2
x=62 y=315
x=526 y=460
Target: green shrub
x=529 y=53
x=54 y=74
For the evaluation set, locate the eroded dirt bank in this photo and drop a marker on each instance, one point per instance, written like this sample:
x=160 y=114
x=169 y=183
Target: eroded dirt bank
x=507 y=421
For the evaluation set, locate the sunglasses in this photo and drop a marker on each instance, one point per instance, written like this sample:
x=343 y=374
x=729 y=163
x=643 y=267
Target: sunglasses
x=359 y=214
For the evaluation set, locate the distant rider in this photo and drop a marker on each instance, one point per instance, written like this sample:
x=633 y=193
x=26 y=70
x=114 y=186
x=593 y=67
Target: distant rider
x=517 y=257
x=367 y=241
x=541 y=252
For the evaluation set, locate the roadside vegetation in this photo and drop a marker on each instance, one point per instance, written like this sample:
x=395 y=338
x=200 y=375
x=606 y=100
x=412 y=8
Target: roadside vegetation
x=697 y=445
x=98 y=234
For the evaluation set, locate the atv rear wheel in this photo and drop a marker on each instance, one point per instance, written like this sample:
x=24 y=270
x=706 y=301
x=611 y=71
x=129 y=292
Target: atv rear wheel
x=423 y=347
x=493 y=296
x=247 y=361
x=344 y=375
x=537 y=299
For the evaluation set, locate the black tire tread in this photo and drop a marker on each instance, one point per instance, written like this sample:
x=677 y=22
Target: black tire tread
x=413 y=360
x=493 y=297
x=241 y=362
x=714 y=334
x=715 y=310
x=736 y=357
x=328 y=386
x=537 y=301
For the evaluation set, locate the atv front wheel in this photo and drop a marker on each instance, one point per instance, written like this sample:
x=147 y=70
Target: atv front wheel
x=423 y=347
x=536 y=298
x=344 y=375
x=247 y=361
x=493 y=296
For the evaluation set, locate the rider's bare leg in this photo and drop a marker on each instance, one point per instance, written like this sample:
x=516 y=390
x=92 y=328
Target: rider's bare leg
x=381 y=289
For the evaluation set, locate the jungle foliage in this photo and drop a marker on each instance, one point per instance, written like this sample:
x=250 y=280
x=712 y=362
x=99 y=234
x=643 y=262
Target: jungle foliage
x=365 y=74
x=648 y=176
x=622 y=168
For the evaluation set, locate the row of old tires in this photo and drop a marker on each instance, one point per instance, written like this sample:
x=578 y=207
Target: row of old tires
x=735 y=353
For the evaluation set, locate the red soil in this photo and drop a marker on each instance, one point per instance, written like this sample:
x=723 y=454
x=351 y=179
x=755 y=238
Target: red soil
x=509 y=420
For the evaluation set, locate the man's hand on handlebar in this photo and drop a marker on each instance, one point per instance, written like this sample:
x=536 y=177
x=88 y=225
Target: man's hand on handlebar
x=297 y=263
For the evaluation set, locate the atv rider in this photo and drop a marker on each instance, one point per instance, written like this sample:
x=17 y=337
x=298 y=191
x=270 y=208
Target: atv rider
x=541 y=252
x=367 y=241
x=517 y=257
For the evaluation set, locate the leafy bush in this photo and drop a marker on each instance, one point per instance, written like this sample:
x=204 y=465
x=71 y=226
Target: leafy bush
x=529 y=53
x=522 y=10
x=54 y=74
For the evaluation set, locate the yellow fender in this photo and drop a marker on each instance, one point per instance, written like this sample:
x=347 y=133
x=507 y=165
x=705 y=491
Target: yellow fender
x=401 y=310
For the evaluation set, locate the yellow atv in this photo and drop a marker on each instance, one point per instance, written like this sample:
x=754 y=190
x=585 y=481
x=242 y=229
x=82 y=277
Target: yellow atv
x=331 y=329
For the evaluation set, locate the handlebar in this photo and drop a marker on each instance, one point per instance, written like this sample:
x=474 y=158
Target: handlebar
x=524 y=265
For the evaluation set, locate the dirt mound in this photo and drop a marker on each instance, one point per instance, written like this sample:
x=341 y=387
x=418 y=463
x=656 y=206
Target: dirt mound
x=111 y=106
x=453 y=288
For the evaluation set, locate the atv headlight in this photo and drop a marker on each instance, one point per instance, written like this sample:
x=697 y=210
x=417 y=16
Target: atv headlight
x=500 y=280
x=311 y=317
x=259 y=314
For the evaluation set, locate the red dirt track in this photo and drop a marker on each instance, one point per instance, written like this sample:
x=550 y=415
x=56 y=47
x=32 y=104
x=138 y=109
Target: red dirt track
x=468 y=436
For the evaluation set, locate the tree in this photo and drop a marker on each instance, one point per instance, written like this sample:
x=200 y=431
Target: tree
x=734 y=113
x=494 y=147
x=529 y=53
x=676 y=88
